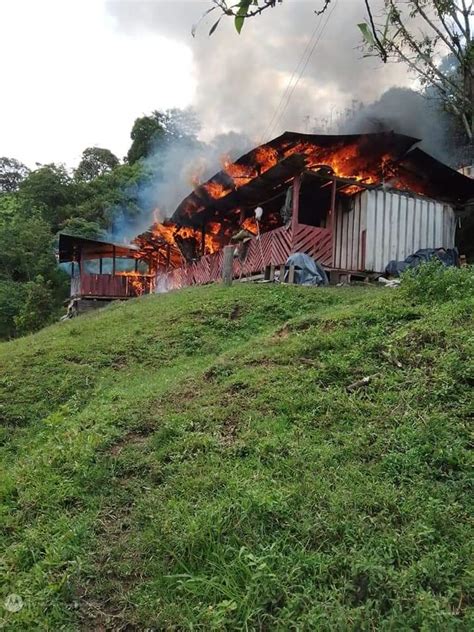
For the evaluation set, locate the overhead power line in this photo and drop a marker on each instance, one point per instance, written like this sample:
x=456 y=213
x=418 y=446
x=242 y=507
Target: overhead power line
x=291 y=87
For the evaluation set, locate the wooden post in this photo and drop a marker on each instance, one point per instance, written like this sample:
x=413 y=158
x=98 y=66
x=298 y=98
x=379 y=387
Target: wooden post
x=136 y=266
x=282 y=273
x=113 y=260
x=291 y=274
x=228 y=265
x=295 y=209
x=269 y=273
x=332 y=210
x=100 y=265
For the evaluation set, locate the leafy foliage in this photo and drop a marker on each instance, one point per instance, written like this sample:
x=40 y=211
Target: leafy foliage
x=25 y=248
x=49 y=190
x=11 y=301
x=157 y=131
x=38 y=308
x=95 y=162
x=82 y=228
x=432 y=282
x=12 y=173
x=202 y=465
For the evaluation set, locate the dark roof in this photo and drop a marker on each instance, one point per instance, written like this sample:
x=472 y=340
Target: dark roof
x=199 y=206
x=437 y=179
x=70 y=247
x=426 y=175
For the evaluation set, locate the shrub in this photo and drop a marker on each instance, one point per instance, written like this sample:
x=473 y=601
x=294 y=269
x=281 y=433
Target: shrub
x=12 y=296
x=433 y=282
x=38 y=308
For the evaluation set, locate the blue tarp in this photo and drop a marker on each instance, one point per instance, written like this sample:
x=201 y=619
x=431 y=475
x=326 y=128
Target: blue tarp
x=447 y=256
x=307 y=271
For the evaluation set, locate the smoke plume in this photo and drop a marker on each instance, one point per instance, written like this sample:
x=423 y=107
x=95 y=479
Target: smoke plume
x=240 y=96
x=170 y=174
x=240 y=79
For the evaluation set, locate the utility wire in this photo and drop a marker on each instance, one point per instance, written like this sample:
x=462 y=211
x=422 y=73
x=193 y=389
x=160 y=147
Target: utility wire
x=276 y=120
x=309 y=43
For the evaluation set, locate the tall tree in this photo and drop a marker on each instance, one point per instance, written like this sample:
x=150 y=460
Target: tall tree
x=158 y=130
x=424 y=35
x=12 y=173
x=146 y=131
x=50 y=190
x=95 y=162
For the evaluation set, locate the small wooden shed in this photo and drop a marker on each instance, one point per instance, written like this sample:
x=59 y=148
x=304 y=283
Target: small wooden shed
x=97 y=270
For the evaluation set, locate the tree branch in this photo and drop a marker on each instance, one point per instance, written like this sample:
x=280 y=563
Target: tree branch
x=412 y=43
x=448 y=43
x=382 y=51
x=453 y=12
x=466 y=13
x=234 y=9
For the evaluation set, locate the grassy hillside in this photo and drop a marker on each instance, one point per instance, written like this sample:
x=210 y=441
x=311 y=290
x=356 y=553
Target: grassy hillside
x=195 y=461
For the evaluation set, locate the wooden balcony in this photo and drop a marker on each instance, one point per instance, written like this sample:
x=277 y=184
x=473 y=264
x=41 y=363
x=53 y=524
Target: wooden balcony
x=110 y=286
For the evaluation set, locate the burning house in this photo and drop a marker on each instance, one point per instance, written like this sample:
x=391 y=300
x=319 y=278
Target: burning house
x=351 y=202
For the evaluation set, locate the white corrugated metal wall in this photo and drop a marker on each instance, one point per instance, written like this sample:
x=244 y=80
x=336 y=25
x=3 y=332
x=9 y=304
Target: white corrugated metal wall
x=348 y=233
x=383 y=225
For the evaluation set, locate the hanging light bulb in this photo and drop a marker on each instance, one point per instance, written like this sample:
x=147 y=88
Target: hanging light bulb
x=258 y=213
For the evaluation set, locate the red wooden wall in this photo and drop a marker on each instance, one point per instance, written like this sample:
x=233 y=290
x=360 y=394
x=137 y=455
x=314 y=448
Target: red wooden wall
x=273 y=248
x=109 y=285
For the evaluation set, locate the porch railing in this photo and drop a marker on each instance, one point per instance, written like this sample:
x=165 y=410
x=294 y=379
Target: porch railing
x=273 y=248
x=111 y=286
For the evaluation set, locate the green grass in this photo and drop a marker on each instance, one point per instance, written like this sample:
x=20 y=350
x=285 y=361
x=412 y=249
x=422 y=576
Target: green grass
x=195 y=461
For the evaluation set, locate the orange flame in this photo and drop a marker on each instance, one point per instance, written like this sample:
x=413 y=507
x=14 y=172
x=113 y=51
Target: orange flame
x=359 y=162
x=140 y=283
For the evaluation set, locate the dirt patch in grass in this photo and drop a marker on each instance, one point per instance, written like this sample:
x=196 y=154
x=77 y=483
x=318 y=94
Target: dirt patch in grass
x=130 y=439
x=282 y=333
x=228 y=432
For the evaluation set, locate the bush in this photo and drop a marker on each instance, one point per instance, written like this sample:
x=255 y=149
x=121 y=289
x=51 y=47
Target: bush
x=433 y=282
x=12 y=296
x=38 y=309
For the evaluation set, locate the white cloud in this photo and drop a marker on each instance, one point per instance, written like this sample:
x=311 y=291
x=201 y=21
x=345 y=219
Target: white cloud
x=71 y=80
x=77 y=73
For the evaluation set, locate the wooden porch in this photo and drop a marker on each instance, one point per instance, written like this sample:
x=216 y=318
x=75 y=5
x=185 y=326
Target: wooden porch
x=111 y=286
x=271 y=249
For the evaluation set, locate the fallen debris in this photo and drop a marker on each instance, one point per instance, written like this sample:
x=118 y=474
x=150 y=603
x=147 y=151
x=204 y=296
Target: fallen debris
x=389 y=282
x=365 y=381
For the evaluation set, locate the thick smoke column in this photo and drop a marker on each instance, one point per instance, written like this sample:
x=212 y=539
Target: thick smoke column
x=170 y=173
x=407 y=112
x=240 y=79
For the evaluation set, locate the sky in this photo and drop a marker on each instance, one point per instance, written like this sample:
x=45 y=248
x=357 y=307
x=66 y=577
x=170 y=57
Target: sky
x=76 y=73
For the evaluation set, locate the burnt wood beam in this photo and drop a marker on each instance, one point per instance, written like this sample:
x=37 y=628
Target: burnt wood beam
x=332 y=210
